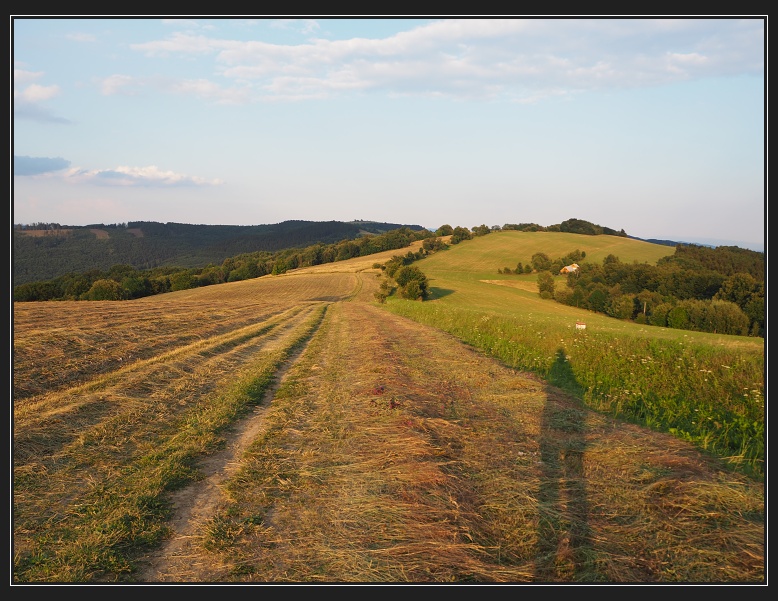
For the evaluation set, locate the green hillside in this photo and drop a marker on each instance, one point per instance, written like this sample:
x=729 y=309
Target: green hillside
x=465 y=276
x=485 y=254
x=704 y=387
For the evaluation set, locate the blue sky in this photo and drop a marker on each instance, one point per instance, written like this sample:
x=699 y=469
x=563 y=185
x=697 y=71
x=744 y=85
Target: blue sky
x=654 y=126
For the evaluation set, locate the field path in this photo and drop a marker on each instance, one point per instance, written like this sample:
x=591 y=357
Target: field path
x=195 y=504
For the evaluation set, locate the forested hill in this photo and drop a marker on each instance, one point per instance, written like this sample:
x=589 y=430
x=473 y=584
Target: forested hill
x=47 y=251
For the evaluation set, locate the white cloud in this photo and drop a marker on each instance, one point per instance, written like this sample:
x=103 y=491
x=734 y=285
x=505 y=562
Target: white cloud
x=117 y=84
x=124 y=176
x=199 y=88
x=515 y=58
x=205 y=89
x=27 y=99
x=33 y=92
x=21 y=76
x=37 y=93
x=208 y=90
x=182 y=43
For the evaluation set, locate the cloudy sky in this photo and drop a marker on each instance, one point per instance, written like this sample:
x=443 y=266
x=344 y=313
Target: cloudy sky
x=654 y=126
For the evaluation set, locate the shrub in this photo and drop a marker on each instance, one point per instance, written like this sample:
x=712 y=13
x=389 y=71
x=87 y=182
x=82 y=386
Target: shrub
x=412 y=282
x=546 y=284
x=105 y=290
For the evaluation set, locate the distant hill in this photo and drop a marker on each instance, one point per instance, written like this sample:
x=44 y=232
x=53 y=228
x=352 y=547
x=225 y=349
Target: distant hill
x=708 y=243
x=656 y=241
x=46 y=251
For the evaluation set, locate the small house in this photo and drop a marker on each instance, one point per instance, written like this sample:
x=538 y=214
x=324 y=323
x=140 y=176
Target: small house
x=569 y=268
x=579 y=325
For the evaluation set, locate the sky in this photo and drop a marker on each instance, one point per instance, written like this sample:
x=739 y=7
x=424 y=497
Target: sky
x=651 y=125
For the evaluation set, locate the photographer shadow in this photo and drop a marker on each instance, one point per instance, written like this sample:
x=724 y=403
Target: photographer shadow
x=564 y=550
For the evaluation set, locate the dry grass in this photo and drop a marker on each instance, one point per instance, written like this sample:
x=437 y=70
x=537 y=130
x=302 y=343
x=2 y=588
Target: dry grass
x=519 y=284
x=61 y=344
x=389 y=452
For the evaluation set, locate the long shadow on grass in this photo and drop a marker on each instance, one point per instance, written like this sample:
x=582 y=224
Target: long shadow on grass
x=564 y=545
x=436 y=292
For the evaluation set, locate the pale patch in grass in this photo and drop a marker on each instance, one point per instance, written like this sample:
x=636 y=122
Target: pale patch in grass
x=519 y=284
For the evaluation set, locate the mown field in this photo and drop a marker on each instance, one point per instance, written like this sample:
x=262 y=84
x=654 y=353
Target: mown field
x=291 y=429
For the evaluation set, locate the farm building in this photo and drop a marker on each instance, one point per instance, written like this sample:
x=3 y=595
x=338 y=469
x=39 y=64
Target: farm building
x=579 y=325
x=569 y=268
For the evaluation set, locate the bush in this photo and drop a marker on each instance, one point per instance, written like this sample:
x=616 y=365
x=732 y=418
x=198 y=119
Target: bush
x=541 y=262
x=105 y=290
x=413 y=290
x=412 y=282
x=546 y=284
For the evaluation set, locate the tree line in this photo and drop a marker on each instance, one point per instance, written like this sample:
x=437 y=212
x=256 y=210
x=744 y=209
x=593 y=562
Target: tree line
x=697 y=288
x=125 y=282
x=44 y=251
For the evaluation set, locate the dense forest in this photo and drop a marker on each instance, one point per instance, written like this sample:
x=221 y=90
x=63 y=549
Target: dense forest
x=123 y=281
x=44 y=251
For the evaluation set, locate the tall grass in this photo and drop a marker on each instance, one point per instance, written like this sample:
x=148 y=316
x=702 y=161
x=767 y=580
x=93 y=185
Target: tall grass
x=710 y=396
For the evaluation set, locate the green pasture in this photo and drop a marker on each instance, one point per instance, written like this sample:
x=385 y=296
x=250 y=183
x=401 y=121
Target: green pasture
x=485 y=254
x=705 y=388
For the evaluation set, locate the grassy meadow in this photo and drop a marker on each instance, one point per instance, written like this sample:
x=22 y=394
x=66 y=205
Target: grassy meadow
x=705 y=388
x=291 y=429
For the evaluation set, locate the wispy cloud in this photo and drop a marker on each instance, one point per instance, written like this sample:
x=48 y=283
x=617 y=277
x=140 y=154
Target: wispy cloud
x=516 y=59
x=28 y=97
x=124 y=176
x=151 y=175
x=22 y=76
x=119 y=84
x=200 y=88
x=36 y=93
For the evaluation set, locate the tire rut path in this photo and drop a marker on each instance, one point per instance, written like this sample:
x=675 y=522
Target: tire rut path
x=196 y=503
